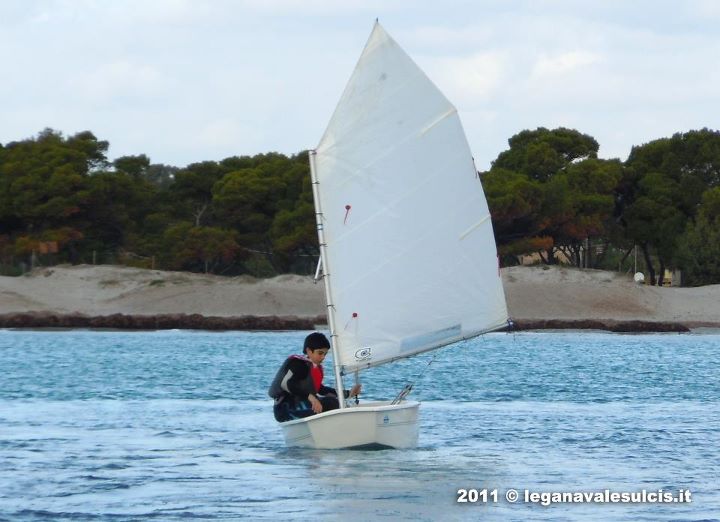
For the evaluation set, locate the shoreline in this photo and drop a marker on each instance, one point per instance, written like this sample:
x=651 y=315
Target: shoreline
x=46 y=320
x=538 y=298
x=120 y=322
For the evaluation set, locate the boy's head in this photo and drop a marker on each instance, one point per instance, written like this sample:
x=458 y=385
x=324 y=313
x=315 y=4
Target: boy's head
x=315 y=341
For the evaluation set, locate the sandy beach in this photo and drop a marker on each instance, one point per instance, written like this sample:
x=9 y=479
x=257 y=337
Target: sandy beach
x=538 y=297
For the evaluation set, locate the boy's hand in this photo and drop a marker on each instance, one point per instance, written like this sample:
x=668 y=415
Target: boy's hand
x=315 y=403
x=355 y=390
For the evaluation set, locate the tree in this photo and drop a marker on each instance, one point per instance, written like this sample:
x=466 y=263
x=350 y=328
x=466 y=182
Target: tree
x=63 y=190
x=192 y=190
x=699 y=247
x=549 y=191
x=43 y=181
x=162 y=176
x=294 y=233
x=661 y=195
x=135 y=166
x=590 y=186
x=192 y=247
x=541 y=153
x=116 y=205
x=247 y=200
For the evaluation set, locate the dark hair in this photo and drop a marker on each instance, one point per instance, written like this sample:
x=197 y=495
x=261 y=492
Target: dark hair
x=315 y=341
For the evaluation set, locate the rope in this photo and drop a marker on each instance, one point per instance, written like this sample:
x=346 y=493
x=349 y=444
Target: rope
x=409 y=386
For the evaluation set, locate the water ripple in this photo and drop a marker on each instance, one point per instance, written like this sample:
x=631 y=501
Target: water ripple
x=176 y=426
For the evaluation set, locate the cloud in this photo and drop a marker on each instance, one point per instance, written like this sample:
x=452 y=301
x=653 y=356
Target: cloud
x=227 y=134
x=50 y=12
x=316 y=7
x=468 y=80
x=209 y=79
x=444 y=37
x=563 y=63
x=118 y=81
x=706 y=8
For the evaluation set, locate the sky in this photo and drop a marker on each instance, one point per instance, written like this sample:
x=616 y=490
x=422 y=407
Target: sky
x=189 y=80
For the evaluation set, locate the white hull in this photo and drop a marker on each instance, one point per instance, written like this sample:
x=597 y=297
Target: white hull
x=371 y=424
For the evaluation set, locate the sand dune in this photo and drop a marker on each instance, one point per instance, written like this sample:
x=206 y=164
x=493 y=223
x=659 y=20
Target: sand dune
x=568 y=293
x=533 y=293
x=104 y=290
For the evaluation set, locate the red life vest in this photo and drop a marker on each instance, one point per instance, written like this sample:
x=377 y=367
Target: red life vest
x=316 y=372
x=317 y=376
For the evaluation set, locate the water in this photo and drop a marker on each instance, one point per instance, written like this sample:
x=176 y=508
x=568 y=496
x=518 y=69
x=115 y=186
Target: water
x=175 y=425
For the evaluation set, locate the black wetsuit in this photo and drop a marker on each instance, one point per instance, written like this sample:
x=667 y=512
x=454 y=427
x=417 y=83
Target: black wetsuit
x=291 y=387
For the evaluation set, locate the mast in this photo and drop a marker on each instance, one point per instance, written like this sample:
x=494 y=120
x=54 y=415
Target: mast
x=326 y=276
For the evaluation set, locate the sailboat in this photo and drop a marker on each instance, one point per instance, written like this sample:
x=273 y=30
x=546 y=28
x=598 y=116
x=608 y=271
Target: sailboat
x=407 y=249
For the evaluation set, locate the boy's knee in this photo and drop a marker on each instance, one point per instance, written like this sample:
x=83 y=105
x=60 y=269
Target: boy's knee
x=329 y=403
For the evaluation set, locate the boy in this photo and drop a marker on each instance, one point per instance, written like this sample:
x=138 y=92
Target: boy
x=298 y=389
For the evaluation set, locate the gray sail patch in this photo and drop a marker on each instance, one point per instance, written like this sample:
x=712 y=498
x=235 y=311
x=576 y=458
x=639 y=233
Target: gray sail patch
x=436 y=338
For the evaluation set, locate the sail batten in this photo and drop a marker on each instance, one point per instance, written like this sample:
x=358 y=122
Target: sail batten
x=405 y=222
x=446 y=114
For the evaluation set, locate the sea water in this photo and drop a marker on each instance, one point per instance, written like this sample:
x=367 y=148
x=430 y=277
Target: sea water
x=176 y=425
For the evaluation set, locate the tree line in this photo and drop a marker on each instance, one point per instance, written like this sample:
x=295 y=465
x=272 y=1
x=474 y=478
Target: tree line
x=62 y=200
x=550 y=193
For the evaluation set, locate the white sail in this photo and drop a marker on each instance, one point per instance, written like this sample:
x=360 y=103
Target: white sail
x=410 y=253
